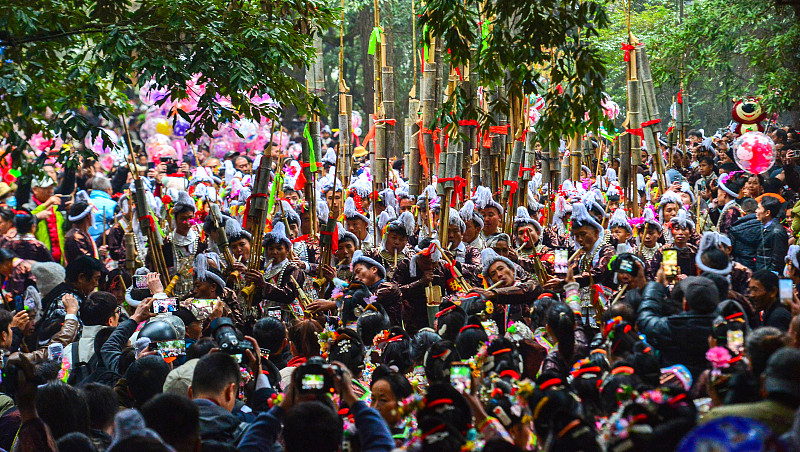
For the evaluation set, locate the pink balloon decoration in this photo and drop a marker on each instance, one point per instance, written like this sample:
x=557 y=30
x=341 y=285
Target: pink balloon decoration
x=754 y=152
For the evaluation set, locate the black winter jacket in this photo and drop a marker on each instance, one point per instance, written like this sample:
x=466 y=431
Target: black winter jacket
x=679 y=338
x=773 y=246
x=745 y=237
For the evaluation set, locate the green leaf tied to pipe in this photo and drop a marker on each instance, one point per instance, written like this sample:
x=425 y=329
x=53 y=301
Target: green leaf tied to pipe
x=374 y=40
x=312 y=156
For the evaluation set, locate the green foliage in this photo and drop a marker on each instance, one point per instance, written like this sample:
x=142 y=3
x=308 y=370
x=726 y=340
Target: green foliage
x=70 y=64
x=527 y=47
x=735 y=48
x=651 y=21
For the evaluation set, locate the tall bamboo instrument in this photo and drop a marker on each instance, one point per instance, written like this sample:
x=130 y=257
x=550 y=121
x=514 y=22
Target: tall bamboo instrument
x=428 y=100
x=651 y=124
x=222 y=238
x=256 y=219
x=146 y=220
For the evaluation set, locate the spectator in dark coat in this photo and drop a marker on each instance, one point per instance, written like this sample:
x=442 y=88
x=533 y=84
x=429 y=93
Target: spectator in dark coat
x=745 y=235
x=764 y=296
x=681 y=338
x=774 y=241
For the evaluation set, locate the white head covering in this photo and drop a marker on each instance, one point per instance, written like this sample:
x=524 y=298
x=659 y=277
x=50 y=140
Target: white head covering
x=455 y=220
x=682 y=219
x=620 y=220
x=708 y=241
x=483 y=199
x=468 y=213
x=523 y=217
x=80 y=197
x=350 y=211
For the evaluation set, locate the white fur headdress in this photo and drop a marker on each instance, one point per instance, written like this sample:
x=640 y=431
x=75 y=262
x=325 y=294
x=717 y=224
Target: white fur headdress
x=620 y=220
x=468 y=213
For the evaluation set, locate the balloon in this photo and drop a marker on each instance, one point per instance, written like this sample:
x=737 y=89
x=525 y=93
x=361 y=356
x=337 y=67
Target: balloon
x=220 y=147
x=357 y=131
x=728 y=434
x=149 y=94
x=98 y=145
x=248 y=129
x=180 y=128
x=754 y=152
x=355 y=121
x=164 y=127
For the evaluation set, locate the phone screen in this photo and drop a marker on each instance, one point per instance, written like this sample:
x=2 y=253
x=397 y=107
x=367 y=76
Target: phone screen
x=785 y=290
x=460 y=377
x=561 y=261
x=140 y=281
x=274 y=312
x=312 y=382
x=165 y=305
x=671 y=263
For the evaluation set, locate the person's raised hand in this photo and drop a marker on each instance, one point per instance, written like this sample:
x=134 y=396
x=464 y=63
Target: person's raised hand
x=21 y=320
x=661 y=276
x=512 y=255
x=154 y=283
x=217 y=311
x=553 y=283
x=255 y=277
x=253 y=357
x=70 y=303
x=342 y=382
x=321 y=305
x=328 y=272
x=27 y=386
x=144 y=311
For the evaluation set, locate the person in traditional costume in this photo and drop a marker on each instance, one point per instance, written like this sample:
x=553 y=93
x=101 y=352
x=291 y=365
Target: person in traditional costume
x=369 y=286
x=682 y=228
x=394 y=245
x=279 y=283
x=730 y=187
x=740 y=274
x=557 y=235
x=425 y=268
x=115 y=235
x=591 y=266
x=78 y=241
x=239 y=241
x=620 y=228
x=462 y=252
x=527 y=234
x=668 y=207
x=473 y=225
x=348 y=244
x=650 y=232
x=182 y=244
x=24 y=244
x=491 y=210
x=357 y=224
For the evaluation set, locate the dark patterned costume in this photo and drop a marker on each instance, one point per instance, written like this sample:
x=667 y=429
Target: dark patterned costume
x=27 y=247
x=415 y=314
x=730 y=213
x=386 y=293
x=386 y=259
x=17 y=281
x=115 y=242
x=280 y=290
x=78 y=243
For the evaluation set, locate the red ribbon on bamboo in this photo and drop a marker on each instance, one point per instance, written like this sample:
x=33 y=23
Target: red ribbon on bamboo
x=458 y=190
x=334 y=238
x=247 y=206
x=680 y=97
x=627 y=48
x=650 y=123
x=423 y=155
x=371 y=134
x=513 y=184
x=496 y=130
x=150 y=221
x=638 y=131
x=523 y=170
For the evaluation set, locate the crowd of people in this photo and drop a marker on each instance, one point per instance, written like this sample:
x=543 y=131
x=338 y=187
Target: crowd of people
x=141 y=313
